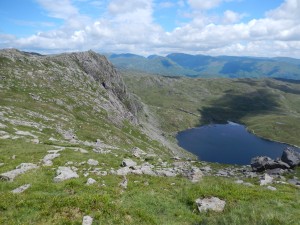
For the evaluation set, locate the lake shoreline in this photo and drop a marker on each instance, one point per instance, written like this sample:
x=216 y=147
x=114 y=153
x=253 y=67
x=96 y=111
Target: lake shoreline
x=229 y=143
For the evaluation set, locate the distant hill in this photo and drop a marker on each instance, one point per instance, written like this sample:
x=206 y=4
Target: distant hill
x=180 y=64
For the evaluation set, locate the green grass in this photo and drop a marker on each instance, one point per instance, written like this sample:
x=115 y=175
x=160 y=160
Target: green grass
x=160 y=202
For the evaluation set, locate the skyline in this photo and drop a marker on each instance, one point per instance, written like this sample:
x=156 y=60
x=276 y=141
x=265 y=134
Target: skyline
x=266 y=28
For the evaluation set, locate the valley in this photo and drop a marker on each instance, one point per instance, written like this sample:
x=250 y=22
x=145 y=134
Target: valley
x=80 y=140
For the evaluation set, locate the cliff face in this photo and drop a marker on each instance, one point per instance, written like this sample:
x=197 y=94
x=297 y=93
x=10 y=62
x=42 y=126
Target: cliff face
x=73 y=69
x=70 y=96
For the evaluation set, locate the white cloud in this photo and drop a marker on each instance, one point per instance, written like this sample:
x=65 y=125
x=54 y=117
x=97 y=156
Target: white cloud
x=130 y=27
x=289 y=10
x=232 y=17
x=118 y=6
x=62 y=9
x=204 y=4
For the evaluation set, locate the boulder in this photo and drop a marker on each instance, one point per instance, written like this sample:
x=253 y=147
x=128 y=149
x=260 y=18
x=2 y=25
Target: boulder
x=267 y=180
x=213 y=203
x=291 y=157
x=22 y=168
x=195 y=175
x=64 y=173
x=90 y=181
x=87 y=220
x=128 y=163
x=262 y=163
x=123 y=171
x=92 y=162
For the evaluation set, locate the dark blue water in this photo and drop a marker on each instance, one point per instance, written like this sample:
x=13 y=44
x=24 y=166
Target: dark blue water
x=227 y=143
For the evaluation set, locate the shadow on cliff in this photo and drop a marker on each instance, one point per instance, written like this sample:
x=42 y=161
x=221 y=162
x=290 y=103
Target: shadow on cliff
x=233 y=106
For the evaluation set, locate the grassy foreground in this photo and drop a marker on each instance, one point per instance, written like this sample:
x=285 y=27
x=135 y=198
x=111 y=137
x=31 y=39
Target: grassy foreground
x=147 y=200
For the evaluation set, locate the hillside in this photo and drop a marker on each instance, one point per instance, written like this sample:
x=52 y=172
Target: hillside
x=268 y=107
x=179 y=64
x=76 y=144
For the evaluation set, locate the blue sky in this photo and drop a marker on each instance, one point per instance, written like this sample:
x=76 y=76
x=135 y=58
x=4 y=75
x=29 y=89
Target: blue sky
x=214 y=27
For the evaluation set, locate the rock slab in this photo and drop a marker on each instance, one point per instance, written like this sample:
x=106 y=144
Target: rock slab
x=92 y=162
x=128 y=163
x=21 y=189
x=22 y=168
x=213 y=204
x=64 y=173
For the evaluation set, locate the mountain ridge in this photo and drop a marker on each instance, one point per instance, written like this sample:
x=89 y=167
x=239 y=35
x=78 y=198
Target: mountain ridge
x=181 y=64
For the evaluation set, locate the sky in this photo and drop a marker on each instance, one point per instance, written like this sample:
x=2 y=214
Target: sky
x=262 y=28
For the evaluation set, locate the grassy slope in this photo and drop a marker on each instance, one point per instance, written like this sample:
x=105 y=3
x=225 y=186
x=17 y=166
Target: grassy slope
x=270 y=108
x=162 y=201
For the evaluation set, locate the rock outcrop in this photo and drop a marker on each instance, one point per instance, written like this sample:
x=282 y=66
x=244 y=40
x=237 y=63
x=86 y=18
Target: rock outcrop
x=213 y=204
x=262 y=163
x=22 y=168
x=64 y=173
x=291 y=157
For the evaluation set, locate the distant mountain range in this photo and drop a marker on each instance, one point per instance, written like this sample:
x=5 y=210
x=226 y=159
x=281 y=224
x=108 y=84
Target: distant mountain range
x=180 y=64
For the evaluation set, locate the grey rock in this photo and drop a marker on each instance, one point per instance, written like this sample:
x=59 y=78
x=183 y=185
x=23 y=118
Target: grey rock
x=123 y=171
x=147 y=170
x=87 y=220
x=64 y=173
x=195 y=175
x=92 y=162
x=276 y=172
x=137 y=152
x=166 y=173
x=239 y=181
x=22 y=168
x=21 y=189
x=267 y=180
x=291 y=157
x=213 y=203
x=47 y=160
x=262 y=163
x=91 y=181
x=272 y=188
x=124 y=183
x=206 y=169
x=294 y=182
x=222 y=173
x=128 y=163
